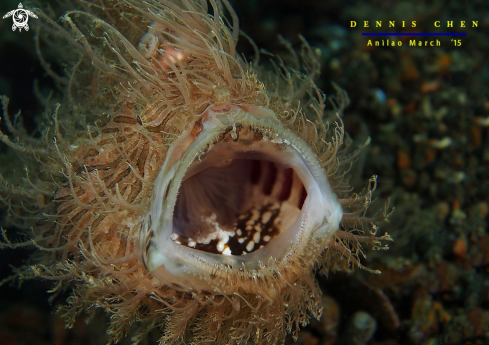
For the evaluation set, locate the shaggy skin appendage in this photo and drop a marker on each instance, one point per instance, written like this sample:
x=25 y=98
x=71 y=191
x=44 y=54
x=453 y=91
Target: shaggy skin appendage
x=151 y=81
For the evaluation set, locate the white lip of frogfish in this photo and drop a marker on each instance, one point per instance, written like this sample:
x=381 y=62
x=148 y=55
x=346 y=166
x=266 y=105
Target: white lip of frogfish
x=230 y=137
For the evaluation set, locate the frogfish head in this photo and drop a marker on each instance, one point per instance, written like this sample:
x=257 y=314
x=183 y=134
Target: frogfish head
x=180 y=187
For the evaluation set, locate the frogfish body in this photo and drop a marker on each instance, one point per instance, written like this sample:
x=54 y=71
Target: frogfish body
x=179 y=187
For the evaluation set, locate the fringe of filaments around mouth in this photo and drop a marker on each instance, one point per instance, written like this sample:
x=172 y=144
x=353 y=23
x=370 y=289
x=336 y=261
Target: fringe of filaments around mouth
x=356 y=228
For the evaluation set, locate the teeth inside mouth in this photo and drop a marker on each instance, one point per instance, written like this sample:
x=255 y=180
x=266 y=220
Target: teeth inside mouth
x=237 y=197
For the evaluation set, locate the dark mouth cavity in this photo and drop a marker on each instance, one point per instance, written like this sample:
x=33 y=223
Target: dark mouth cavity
x=233 y=201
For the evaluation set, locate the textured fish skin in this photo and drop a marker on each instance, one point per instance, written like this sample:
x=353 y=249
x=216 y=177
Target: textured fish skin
x=146 y=75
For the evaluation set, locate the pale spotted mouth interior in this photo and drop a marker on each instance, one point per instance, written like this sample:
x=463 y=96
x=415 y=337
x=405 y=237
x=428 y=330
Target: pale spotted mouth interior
x=232 y=202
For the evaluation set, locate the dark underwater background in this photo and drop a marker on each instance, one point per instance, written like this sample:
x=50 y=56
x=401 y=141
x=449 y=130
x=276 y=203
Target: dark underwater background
x=426 y=110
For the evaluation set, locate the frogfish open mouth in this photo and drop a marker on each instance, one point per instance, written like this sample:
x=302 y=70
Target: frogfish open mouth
x=179 y=187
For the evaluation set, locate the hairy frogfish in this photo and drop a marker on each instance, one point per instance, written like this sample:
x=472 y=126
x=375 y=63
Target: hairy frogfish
x=177 y=185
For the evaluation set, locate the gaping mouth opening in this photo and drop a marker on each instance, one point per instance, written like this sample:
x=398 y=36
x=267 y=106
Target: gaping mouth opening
x=237 y=189
x=234 y=203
